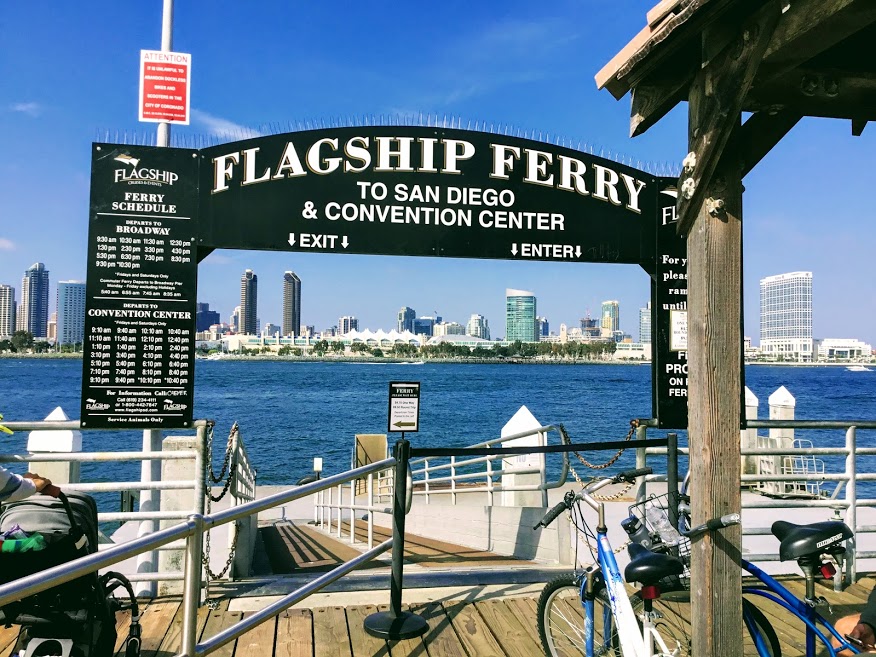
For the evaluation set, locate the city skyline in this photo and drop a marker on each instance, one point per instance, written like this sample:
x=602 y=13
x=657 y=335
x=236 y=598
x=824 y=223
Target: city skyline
x=527 y=68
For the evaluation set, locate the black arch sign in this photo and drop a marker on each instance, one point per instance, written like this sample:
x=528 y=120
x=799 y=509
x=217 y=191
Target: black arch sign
x=418 y=191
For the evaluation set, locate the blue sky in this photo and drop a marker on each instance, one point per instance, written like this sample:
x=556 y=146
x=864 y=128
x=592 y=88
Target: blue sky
x=69 y=73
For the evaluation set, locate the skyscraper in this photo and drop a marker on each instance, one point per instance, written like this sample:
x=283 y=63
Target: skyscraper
x=478 y=326
x=235 y=319
x=520 y=321
x=291 y=304
x=33 y=313
x=406 y=318
x=205 y=318
x=70 y=327
x=786 y=316
x=645 y=324
x=7 y=310
x=347 y=323
x=544 y=328
x=610 y=318
x=249 y=292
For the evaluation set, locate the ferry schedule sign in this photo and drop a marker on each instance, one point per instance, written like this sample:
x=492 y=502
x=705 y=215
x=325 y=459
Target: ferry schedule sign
x=138 y=362
x=165 y=86
x=404 y=406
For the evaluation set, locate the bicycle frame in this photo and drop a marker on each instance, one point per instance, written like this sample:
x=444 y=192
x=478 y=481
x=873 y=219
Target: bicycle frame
x=783 y=597
x=634 y=641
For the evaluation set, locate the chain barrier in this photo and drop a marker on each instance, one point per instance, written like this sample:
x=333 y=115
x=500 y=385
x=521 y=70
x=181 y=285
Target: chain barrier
x=634 y=424
x=229 y=466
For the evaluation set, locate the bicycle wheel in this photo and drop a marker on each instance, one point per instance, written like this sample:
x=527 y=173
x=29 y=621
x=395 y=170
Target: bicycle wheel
x=671 y=621
x=756 y=616
x=561 y=617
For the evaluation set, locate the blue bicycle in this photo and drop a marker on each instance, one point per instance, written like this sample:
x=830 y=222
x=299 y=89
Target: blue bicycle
x=591 y=613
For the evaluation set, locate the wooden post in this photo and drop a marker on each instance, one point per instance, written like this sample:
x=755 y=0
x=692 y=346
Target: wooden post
x=714 y=342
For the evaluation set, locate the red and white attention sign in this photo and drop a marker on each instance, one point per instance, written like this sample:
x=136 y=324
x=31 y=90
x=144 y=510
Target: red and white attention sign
x=165 y=85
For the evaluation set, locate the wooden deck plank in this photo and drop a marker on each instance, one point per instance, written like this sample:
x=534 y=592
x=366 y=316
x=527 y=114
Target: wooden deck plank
x=8 y=639
x=330 y=635
x=526 y=613
x=362 y=643
x=472 y=630
x=515 y=641
x=406 y=647
x=217 y=621
x=294 y=634
x=155 y=622
x=259 y=641
x=441 y=639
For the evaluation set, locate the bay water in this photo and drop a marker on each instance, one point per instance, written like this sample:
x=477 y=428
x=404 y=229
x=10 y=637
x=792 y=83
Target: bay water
x=290 y=412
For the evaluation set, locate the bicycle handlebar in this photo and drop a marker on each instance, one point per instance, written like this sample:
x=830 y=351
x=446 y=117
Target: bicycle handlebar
x=713 y=524
x=570 y=498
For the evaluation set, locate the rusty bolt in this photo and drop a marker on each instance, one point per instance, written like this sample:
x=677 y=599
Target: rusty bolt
x=688 y=187
x=715 y=206
x=831 y=87
x=690 y=162
x=809 y=85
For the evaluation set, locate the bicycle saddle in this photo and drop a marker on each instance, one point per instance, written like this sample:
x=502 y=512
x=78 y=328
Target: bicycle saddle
x=648 y=568
x=803 y=540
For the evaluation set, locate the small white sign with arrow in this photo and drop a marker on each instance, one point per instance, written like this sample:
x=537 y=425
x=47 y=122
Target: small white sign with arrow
x=404 y=406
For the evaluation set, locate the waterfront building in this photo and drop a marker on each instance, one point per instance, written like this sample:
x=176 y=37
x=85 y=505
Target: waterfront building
x=610 y=318
x=7 y=311
x=448 y=328
x=425 y=326
x=520 y=308
x=204 y=317
x=270 y=329
x=478 y=327
x=645 y=324
x=841 y=349
x=70 y=326
x=544 y=328
x=469 y=341
x=249 y=291
x=786 y=317
x=346 y=324
x=590 y=327
x=33 y=312
x=291 y=304
x=406 y=318
x=52 y=327
x=307 y=331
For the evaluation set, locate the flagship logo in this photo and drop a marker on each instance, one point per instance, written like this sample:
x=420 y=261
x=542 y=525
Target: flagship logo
x=828 y=541
x=142 y=176
x=169 y=405
x=94 y=405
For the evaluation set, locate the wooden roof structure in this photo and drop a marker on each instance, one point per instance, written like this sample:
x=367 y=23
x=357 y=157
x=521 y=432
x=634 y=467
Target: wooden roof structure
x=781 y=60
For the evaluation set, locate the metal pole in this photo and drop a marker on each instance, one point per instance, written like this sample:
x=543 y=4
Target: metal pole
x=199 y=504
x=397 y=624
x=150 y=501
x=641 y=462
x=163 y=136
x=192 y=586
x=370 y=512
x=852 y=509
x=672 y=476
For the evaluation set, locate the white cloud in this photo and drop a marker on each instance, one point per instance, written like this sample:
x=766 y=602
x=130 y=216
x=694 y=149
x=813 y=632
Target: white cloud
x=31 y=108
x=6 y=245
x=220 y=127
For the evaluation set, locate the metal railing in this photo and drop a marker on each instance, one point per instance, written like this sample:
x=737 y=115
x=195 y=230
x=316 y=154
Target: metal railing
x=465 y=475
x=847 y=480
x=242 y=486
x=193 y=531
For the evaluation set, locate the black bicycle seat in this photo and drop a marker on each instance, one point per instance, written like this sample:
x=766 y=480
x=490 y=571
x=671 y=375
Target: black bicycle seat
x=804 y=540
x=648 y=568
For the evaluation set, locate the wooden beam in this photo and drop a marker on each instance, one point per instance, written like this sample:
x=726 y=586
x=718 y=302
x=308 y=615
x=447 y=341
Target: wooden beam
x=858 y=126
x=714 y=329
x=810 y=27
x=724 y=83
x=757 y=136
x=818 y=92
x=650 y=103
